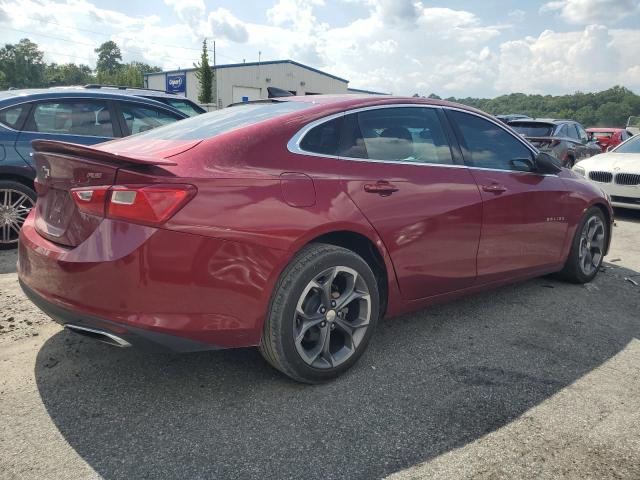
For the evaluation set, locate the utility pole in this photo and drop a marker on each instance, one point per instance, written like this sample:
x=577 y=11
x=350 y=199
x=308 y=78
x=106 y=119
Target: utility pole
x=215 y=73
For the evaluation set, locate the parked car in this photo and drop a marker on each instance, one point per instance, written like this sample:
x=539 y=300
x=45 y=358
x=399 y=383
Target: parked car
x=183 y=104
x=300 y=222
x=564 y=139
x=617 y=172
x=69 y=114
x=511 y=116
x=633 y=125
x=608 y=138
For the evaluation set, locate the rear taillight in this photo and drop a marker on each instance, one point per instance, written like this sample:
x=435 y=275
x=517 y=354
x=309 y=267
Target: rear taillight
x=148 y=205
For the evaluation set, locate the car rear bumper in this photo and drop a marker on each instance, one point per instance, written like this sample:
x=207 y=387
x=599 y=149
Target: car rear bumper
x=147 y=285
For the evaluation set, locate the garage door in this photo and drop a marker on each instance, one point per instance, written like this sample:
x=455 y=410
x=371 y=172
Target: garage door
x=245 y=94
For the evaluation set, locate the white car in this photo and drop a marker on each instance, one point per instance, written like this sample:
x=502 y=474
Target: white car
x=617 y=172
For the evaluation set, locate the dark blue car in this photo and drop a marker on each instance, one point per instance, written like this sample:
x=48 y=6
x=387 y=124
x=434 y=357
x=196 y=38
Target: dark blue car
x=70 y=114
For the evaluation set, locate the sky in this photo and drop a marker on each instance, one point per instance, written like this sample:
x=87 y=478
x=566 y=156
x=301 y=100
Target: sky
x=480 y=48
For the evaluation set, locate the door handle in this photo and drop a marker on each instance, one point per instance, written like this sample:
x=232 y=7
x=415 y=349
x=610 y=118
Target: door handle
x=381 y=188
x=494 y=188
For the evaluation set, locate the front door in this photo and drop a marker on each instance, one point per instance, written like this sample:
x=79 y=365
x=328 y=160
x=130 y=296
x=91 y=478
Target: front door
x=523 y=221
x=425 y=207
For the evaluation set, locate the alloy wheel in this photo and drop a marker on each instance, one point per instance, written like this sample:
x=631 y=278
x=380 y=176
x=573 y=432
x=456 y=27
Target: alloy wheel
x=331 y=318
x=591 y=245
x=14 y=208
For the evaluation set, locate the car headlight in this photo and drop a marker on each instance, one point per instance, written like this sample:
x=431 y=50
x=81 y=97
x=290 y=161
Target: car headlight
x=579 y=170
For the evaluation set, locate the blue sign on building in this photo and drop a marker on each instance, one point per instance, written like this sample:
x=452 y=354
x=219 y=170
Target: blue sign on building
x=177 y=83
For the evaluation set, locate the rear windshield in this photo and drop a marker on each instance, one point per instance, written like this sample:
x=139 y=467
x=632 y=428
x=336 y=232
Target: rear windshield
x=630 y=146
x=221 y=121
x=533 y=129
x=602 y=134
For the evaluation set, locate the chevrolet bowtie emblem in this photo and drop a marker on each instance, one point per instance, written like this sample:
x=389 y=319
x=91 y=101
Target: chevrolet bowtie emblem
x=46 y=173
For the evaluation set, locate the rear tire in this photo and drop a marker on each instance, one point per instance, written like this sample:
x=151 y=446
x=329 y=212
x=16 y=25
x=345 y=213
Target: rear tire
x=323 y=312
x=16 y=201
x=587 y=249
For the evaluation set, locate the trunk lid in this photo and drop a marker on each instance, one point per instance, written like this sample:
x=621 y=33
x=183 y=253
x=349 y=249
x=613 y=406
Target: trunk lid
x=61 y=167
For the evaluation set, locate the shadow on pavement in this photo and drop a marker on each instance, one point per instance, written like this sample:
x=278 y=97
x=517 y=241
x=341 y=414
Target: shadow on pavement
x=430 y=382
x=8 y=259
x=627 y=215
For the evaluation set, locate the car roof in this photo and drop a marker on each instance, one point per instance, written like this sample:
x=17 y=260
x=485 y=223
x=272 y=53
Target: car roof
x=352 y=101
x=12 y=97
x=613 y=130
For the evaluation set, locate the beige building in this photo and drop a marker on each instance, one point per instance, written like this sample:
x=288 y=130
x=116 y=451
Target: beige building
x=249 y=81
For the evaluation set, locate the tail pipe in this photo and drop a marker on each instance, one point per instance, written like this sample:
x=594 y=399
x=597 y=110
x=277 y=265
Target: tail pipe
x=99 y=335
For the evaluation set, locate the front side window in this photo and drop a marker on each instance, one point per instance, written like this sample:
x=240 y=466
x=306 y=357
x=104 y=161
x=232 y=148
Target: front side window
x=582 y=135
x=140 y=118
x=11 y=116
x=407 y=134
x=71 y=118
x=573 y=131
x=486 y=145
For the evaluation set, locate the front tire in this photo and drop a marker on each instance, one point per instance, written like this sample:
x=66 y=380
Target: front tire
x=16 y=201
x=322 y=314
x=587 y=249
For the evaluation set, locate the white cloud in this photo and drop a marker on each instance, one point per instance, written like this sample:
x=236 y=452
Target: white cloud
x=592 y=11
x=223 y=24
x=399 y=47
x=555 y=62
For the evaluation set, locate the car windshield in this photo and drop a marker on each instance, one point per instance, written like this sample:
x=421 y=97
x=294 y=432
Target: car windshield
x=630 y=146
x=221 y=121
x=532 y=129
x=185 y=107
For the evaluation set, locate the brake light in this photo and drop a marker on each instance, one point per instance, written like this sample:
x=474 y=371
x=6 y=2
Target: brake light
x=151 y=205
x=148 y=205
x=90 y=200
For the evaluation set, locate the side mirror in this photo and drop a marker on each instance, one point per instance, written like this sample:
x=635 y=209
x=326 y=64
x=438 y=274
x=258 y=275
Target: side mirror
x=547 y=164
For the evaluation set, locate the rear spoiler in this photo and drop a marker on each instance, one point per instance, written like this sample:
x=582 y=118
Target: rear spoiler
x=55 y=146
x=541 y=139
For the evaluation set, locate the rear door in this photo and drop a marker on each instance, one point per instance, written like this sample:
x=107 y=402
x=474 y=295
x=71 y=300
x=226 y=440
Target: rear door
x=78 y=120
x=523 y=215
x=424 y=205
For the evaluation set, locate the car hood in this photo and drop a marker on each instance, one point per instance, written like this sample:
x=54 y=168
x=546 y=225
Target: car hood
x=611 y=161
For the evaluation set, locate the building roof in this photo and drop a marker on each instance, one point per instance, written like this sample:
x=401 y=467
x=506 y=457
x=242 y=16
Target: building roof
x=253 y=64
x=368 y=92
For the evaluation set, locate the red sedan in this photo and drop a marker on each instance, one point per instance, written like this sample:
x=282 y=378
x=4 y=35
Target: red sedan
x=608 y=138
x=295 y=224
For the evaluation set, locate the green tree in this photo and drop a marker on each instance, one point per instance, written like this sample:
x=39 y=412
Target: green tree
x=22 y=64
x=109 y=58
x=68 y=74
x=204 y=73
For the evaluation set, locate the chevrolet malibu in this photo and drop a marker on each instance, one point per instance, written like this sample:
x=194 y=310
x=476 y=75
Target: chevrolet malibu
x=295 y=224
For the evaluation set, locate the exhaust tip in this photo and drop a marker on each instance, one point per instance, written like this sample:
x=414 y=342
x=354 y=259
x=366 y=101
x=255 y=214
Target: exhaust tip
x=99 y=335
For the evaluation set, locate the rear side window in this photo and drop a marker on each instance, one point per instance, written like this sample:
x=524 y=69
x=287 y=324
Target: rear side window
x=323 y=139
x=141 y=119
x=214 y=123
x=561 y=131
x=71 y=118
x=573 y=131
x=11 y=116
x=407 y=134
x=486 y=145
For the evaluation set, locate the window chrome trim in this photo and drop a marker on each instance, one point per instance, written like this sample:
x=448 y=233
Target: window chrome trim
x=293 y=145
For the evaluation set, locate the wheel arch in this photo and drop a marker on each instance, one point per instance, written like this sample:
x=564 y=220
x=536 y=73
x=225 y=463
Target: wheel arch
x=17 y=177
x=608 y=216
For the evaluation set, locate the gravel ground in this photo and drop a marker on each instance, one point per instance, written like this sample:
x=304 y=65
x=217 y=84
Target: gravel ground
x=536 y=380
